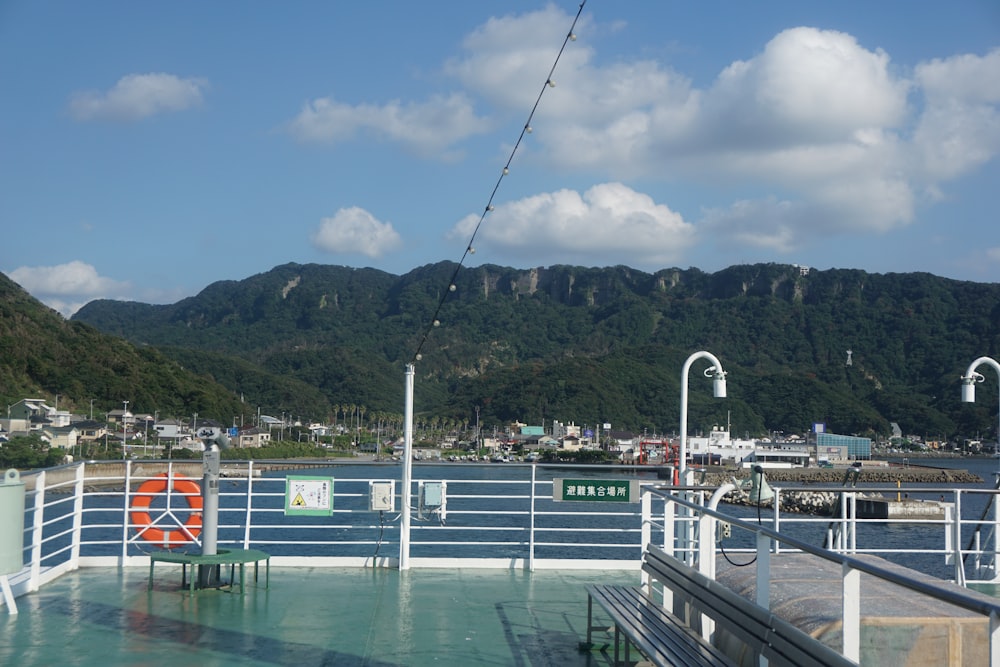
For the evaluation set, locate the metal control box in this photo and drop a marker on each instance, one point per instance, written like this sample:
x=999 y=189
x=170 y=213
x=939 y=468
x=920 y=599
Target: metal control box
x=381 y=496
x=433 y=494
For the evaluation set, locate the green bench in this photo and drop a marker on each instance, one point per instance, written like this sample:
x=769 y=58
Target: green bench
x=230 y=557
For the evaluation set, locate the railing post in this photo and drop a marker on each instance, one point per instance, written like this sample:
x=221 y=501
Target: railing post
x=127 y=496
x=949 y=548
x=777 y=518
x=851 y=622
x=762 y=593
x=249 y=512
x=763 y=582
x=957 y=540
x=78 y=488
x=996 y=535
x=531 y=524
x=994 y=640
x=37 y=524
x=646 y=512
x=669 y=529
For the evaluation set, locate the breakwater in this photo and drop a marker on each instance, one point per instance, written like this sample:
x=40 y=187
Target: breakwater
x=824 y=503
x=831 y=476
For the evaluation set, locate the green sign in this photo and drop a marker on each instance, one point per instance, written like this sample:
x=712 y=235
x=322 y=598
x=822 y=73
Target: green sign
x=596 y=490
x=308 y=496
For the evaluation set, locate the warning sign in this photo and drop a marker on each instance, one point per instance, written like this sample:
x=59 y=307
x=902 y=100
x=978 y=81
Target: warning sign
x=308 y=496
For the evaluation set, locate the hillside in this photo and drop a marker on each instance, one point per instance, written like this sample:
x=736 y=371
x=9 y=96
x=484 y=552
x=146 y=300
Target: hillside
x=42 y=354
x=588 y=345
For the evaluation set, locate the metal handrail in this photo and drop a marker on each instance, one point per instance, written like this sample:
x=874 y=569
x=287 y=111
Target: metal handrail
x=850 y=567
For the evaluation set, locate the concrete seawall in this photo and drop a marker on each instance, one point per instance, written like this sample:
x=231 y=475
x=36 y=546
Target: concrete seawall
x=835 y=476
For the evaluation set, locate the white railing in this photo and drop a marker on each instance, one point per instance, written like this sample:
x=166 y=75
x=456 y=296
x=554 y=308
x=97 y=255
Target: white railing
x=79 y=515
x=85 y=514
x=698 y=546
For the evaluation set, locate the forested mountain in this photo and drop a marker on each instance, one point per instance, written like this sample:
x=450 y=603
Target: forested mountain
x=589 y=345
x=43 y=355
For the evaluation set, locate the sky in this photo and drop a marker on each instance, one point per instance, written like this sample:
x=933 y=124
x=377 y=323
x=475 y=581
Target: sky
x=150 y=149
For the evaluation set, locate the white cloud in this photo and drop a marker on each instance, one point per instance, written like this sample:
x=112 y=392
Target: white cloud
x=818 y=134
x=355 y=230
x=428 y=129
x=138 y=96
x=609 y=221
x=960 y=127
x=67 y=287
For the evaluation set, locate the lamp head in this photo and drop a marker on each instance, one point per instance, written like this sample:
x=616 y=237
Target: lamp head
x=969 y=387
x=718 y=382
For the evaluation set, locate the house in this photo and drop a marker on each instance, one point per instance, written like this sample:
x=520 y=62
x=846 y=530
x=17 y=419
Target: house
x=252 y=437
x=65 y=437
x=32 y=414
x=571 y=443
x=170 y=429
x=90 y=430
x=121 y=417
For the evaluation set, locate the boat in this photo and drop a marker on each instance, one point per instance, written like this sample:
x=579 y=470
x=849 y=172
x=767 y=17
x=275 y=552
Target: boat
x=490 y=567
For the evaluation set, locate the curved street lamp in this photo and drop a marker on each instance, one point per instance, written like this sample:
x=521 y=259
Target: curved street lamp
x=969 y=381
x=719 y=390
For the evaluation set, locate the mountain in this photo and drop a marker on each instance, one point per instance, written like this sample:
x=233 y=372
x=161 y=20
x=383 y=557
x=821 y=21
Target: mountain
x=591 y=345
x=42 y=354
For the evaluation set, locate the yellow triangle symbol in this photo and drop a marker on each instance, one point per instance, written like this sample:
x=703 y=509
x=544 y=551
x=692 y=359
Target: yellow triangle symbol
x=299 y=501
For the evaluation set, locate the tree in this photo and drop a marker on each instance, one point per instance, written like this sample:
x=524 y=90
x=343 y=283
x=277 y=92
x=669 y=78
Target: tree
x=27 y=452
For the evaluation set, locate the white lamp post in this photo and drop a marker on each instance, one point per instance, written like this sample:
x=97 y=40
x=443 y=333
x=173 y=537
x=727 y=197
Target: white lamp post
x=719 y=389
x=970 y=379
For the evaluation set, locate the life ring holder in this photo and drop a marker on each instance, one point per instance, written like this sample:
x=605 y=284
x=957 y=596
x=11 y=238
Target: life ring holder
x=150 y=529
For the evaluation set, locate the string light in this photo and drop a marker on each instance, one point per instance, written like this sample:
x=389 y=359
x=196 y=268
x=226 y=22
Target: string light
x=470 y=250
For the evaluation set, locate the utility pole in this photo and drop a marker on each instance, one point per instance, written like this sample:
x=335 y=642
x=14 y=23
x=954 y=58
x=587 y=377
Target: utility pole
x=124 y=426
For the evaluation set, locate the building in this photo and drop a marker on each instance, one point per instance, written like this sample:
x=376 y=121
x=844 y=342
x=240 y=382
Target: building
x=833 y=447
x=252 y=437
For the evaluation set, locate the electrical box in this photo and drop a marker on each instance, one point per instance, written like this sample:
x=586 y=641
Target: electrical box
x=381 y=496
x=432 y=499
x=432 y=494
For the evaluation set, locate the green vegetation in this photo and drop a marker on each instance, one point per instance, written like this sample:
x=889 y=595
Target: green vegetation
x=28 y=451
x=580 y=345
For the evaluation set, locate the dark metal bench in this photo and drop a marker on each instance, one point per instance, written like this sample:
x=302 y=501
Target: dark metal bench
x=646 y=624
x=755 y=627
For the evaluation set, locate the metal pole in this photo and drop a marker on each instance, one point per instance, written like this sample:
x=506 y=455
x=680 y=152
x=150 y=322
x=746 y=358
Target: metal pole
x=969 y=381
x=717 y=369
x=404 y=526
x=208 y=574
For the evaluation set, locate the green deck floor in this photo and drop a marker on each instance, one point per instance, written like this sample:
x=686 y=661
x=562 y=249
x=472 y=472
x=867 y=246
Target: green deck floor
x=309 y=616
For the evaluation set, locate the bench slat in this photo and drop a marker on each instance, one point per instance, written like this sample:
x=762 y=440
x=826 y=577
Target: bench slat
x=657 y=633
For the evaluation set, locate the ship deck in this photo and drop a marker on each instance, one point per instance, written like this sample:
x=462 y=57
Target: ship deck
x=308 y=616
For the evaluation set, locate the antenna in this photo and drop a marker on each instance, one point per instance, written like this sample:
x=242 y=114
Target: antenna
x=470 y=247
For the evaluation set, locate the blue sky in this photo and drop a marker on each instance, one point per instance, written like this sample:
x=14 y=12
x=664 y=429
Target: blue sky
x=150 y=149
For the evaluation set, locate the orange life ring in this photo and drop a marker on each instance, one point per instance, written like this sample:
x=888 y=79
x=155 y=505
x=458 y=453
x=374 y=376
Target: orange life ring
x=167 y=538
